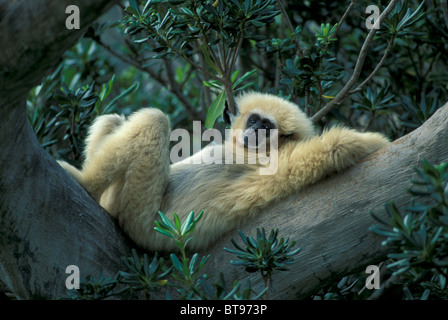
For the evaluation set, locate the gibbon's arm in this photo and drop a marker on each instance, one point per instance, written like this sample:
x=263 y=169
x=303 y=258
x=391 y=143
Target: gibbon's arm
x=301 y=164
x=335 y=150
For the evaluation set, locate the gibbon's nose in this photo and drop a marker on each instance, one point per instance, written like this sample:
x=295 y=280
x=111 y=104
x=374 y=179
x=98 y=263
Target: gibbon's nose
x=251 y=138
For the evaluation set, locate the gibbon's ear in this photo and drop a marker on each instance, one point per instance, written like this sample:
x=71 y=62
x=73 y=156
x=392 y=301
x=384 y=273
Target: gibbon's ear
x=228 y=116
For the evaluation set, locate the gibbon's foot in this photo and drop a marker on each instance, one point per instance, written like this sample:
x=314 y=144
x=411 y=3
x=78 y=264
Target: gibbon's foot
x=149 y=121
x=348 y=146
x=101 y=127
x=138 y=147
x=75 y=173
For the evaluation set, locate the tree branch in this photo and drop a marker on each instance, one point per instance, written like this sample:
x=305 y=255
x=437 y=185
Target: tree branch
x=344 y=16
x=291 y=28
x=174 y=87
x=358 y=68
x=330 y=221
x=47 y=220
x=390 y=44
x=170 y=84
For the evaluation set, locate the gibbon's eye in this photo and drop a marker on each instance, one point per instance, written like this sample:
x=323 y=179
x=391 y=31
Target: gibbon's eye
x=266 y=124
x=253 y=119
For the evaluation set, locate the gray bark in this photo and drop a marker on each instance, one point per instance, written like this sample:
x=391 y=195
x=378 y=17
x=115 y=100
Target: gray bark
x=47 y=221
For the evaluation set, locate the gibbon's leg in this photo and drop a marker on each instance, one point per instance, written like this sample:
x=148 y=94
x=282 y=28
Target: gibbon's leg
x=101 y=127
x=335 y=150
x=136 y=195
x=135 y=153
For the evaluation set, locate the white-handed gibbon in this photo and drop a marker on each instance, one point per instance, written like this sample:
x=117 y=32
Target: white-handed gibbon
x=127 y=168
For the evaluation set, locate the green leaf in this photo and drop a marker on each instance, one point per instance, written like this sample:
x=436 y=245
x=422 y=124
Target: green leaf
x=216 y=109
x=207 y=57
x=176 y=263
x=125 y=93
x=162 y=230
x=242 y=79
x=193 y=261
x=167 y=224
x=187 y=223
x=176 y=221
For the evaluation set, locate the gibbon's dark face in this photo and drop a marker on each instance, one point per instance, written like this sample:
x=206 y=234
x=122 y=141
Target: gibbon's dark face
x=257 y=130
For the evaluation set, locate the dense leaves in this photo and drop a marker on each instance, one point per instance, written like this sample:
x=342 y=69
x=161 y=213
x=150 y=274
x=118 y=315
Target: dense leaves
x=264 y=254
x=419 y=235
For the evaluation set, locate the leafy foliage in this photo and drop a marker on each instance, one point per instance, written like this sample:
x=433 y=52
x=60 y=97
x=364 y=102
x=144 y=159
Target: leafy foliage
x=96 y=289
x=264 y=255
x=144 y=275
x=62 y=115
x=420 y=235
x=184 y=274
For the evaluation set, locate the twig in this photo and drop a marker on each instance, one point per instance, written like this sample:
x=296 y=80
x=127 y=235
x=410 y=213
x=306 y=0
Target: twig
x=290 y=27
x=307 y=100
x=345 y=91
x=218 y=62
x=445 y=11
x=130 y=61
x=174 y=87
x=345 y=15
x=234 y=55
x=372 y=117
x=231 y=104
x=384 y=287
x=378 y=66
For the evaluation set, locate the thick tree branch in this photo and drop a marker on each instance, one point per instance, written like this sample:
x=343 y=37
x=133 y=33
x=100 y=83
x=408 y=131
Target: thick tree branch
x=47 y=221
x=330 y=221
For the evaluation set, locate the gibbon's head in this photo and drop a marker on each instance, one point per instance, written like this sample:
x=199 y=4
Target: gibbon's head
x=267 y=112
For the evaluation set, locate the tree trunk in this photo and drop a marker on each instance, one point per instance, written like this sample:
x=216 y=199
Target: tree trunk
x=48 y=222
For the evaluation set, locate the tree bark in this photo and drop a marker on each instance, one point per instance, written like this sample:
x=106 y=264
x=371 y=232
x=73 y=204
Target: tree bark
x=47 y=221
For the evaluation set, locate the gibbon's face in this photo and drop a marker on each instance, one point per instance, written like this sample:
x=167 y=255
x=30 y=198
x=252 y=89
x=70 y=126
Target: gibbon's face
x=257 y=131
x=263 y=117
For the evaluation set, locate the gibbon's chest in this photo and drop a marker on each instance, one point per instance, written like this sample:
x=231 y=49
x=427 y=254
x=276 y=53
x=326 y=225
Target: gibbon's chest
x=193 y=187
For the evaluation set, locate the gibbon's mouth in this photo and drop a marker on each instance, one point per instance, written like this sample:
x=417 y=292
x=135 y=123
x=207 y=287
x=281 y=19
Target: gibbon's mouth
x=253 y=140
x=287 y=136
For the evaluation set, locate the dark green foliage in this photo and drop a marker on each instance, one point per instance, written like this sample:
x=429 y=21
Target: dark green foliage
x=419 y=235
x=96 y=289
x=402 y=18
x=60 y=116
x=144 y=275
x=184 y=273
x=187 y=270
x=263 y=254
